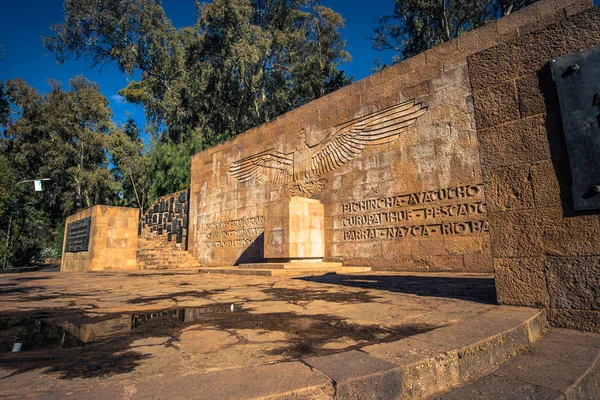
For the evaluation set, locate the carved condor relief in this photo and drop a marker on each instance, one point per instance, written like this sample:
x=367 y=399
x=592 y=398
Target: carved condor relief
x=300 y=171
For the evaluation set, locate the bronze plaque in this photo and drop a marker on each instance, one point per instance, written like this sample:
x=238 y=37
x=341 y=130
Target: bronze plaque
x=577 y=78
x=78 y=235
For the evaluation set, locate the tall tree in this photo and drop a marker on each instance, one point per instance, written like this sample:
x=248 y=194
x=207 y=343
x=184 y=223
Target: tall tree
x=61 y=136
x=417 y=25
x=243 y=63
x=131 y=166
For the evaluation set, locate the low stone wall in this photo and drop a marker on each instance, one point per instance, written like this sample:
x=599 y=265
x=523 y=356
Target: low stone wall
x=112 y=241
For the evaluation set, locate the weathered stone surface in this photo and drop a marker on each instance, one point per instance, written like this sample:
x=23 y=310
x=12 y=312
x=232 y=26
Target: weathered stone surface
x=281 y=381
x=514 y=143
x=563 y=365
x=586 y=320
x=531 y=95
x=509 y=189
x=496 y=105
x=551 y=181
x=579 y=36
x=555 y=373
x=112 y=243
x=537 y=48
x=521 y=281
x=525 y=167
x=492 y=66
x=495 y=387
x=574 y=282
x=544 y=232
x=359 y=375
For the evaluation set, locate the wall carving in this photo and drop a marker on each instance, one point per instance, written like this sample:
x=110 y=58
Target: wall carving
x=391 y=217
x=234 y=233
x=300 y=171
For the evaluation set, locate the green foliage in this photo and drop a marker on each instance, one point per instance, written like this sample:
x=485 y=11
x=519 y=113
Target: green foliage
x=418 y=25
x=61 y=136
x=131 y=164
x=170 y=165
x=243 y=63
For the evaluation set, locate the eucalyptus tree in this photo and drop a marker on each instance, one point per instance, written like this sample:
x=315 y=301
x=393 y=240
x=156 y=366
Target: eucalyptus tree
x=243 y=63
x=417 y=25
x=61 y=135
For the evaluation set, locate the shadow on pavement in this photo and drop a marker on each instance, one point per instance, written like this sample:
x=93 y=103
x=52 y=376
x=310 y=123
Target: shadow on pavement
x=73 y=345
x=479 y=290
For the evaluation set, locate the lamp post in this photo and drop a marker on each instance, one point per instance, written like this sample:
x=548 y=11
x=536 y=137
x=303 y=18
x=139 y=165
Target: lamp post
x=37 y=186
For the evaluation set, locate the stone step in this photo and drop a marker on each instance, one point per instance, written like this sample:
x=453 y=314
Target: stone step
x=422 y=366
x=292 y=265
x=315 y=271
x=156 y=252
x=163 y=262
x=565 y=364
x=163 y=266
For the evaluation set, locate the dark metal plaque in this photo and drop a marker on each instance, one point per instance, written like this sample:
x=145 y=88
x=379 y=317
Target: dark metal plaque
x=577 y=78
x=78 y=235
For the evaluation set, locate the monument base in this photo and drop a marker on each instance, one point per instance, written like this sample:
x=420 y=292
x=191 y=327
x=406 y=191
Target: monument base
x=294 y=230
x=294 y=243
x=285 y=269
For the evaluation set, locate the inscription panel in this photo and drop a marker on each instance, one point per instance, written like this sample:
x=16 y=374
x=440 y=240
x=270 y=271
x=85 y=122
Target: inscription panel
x=420 y=214
x=78 y=235
x=234 y=233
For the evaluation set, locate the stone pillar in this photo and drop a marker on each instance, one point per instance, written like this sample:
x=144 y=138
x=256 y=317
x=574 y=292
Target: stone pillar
x=294 y=230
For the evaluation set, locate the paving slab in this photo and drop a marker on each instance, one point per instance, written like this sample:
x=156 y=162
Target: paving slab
x=180 y=334
x=563 y=365
x=359 y=375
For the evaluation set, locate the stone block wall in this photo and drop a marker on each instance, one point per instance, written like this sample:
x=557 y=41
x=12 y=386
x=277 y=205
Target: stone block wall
x=544 y=252
x=415 y=203
x=112 y=242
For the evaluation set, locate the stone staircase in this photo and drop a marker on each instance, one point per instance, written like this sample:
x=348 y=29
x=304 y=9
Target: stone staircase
x=155 y=252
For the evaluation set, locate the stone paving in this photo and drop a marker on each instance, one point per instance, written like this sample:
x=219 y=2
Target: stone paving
x=224 y=321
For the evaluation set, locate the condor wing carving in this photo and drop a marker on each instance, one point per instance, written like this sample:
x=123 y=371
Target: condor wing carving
x=349 y=139
x=268 y=166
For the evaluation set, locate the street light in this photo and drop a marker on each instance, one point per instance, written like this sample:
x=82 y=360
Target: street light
x=37 y=186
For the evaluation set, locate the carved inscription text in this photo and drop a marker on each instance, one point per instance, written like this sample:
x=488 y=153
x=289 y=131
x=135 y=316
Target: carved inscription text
x=234 y=233
x=420 y=214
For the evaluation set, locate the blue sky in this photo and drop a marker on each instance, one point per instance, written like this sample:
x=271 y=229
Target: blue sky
x=24 y=22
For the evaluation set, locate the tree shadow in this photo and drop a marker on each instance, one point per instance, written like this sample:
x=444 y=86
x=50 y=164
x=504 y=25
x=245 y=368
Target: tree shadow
x=479 y=290
x=54 y=350
x=172 y=296
x=296 y=296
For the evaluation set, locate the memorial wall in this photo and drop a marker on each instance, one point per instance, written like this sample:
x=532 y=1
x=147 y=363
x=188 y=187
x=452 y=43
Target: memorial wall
x=393 y=158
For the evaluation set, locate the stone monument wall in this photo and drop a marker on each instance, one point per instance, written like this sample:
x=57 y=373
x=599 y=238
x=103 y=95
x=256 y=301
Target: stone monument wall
x=394 y=159
x=545 y=253
x=100 y=238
